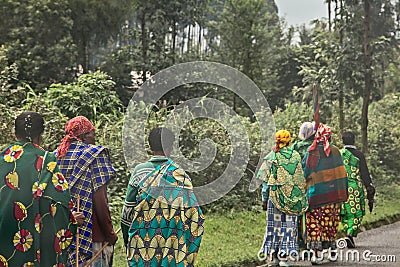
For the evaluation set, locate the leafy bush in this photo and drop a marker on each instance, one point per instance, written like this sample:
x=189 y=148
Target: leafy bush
x=91 y=96
x=384 y=138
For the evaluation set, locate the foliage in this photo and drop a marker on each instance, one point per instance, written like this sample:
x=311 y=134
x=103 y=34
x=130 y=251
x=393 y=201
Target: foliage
x=41 y=40
x=12 y=91
x=189 y=152
x=94 y=24
x=92 y=96
x=292 y=117
x=119 y=65
x=37 y=35
x=384 y=131
x=248 y=39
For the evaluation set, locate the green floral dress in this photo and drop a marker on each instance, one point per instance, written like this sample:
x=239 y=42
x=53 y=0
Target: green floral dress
x=36 y=224
x=353 y=210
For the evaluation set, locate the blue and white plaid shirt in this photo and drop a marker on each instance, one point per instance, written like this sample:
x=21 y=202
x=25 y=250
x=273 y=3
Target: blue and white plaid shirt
x=87 y=168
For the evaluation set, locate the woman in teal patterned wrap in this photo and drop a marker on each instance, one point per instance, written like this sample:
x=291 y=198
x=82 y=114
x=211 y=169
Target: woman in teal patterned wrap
x=167 y=225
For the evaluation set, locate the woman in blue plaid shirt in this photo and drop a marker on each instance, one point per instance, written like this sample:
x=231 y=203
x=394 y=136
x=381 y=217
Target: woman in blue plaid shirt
x=88 y=170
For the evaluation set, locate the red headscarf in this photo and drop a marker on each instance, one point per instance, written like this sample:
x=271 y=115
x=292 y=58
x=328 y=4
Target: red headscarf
x=322 y=135
x=73 y=128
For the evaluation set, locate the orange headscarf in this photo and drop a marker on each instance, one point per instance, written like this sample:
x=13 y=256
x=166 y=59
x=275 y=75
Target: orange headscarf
x=73 y=128
x=282 y=138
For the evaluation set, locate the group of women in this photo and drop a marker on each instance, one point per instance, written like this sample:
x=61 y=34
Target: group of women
x=310 y=188
x=54 y=208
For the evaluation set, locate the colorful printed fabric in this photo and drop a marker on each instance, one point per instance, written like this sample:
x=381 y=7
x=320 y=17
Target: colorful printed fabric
x=302 y=146
x=73 y=128
x=321 y=137
x=353 y=210
x=281 y=232
x=87 y=168
x=36 y=223
x=139 y=173
x=327 y=183
x=322 y=226
x=307 y=130
x=284 y=176
x=167 y=226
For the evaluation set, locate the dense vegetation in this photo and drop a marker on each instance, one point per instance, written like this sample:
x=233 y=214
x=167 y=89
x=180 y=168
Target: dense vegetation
x=71 y=57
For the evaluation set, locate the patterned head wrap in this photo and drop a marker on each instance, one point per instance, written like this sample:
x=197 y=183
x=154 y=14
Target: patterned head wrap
x=282 y=138
x=73 y=128
x=307 y=129
x=323 y=134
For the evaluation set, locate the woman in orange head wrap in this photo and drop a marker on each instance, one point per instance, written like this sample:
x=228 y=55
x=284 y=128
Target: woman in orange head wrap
x=284 y=198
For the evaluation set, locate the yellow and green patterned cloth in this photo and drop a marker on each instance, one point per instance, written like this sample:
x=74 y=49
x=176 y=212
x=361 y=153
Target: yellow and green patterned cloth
x=353 y=210
x=167 y=224
x=282 y=173
x=36 y=223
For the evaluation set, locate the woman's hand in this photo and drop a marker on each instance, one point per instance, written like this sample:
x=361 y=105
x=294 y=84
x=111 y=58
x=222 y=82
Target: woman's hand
x=79 y=217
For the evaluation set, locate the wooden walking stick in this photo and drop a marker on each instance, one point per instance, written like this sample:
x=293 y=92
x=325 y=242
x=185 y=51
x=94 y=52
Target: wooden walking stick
x=77 y=237
x=98 y=252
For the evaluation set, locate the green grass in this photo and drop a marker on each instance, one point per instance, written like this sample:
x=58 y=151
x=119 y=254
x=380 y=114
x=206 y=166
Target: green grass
x=234 y=239
x=231 y=239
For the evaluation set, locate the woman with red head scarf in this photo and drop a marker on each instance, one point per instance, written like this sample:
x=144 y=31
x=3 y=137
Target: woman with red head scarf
x=327 y=187
x=88 y=170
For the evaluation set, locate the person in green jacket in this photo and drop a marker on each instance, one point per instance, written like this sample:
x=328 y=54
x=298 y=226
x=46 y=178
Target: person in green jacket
x=284 y=198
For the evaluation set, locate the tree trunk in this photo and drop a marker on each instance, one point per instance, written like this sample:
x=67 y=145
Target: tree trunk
x=329 y=15
x=173 y=41
x=183 y=41
x=200 y=32
x=367 y=76
x=341 y=87
x=144 y=44
x=189 y=36
x=82 y=56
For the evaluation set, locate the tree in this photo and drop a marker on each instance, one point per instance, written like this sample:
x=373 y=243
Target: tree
x=363 y=32
x=367 y=75
x=37 y=35
x=95 y=23
x=247 y=38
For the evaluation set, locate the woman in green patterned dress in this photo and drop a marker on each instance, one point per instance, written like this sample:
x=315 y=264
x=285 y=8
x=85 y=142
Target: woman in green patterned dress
x=284 y=198
x=353 y=210
x=306 y=138
x=36 y=223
